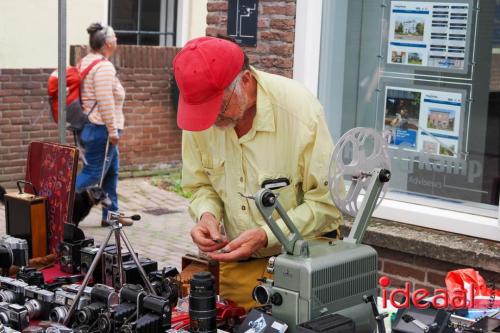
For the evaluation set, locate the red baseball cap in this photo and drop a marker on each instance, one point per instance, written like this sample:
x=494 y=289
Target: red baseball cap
x=203 y=69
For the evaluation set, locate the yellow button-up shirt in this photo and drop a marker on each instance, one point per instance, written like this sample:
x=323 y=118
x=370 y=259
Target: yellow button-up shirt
x=289 y=138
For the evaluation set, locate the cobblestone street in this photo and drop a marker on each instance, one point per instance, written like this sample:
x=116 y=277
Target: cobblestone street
x=163 y=232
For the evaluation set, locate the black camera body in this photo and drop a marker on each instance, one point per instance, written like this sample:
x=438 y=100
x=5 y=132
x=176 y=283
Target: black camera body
x=14 y=316
x=102 y=297
x=38 y=302
x=12 y=290
x=131 y=273
x=109 y=259
x=70 y=254
x=31 y=276
x=131 y=297
x=87 y=256
x=154 y=315
x=166 y=283
x=16 y=251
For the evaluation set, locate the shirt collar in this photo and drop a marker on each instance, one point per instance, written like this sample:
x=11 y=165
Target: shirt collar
x=264 y=117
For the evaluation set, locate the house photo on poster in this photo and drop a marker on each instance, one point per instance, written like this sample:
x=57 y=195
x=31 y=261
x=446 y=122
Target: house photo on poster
x=428 y=34
x=423 y=120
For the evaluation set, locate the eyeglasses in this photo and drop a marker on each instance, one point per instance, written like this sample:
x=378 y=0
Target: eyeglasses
x=228 y=101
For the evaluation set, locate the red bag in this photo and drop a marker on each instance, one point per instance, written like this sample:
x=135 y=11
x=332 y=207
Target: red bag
x=479 y=294
x=74 y=112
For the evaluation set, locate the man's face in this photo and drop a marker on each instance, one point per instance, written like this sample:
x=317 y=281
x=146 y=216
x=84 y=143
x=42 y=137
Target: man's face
x=233 y=106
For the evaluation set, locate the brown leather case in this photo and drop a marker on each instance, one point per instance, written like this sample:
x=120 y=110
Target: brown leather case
x=26 y=218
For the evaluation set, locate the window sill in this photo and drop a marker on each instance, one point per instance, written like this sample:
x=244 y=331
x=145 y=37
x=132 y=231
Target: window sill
x=439 y=218
x=431 y=243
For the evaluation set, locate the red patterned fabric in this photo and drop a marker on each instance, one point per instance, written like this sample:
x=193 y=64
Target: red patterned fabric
x=52 y=171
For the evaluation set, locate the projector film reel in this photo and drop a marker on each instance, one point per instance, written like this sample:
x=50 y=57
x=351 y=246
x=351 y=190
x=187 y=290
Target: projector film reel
x=356 y=155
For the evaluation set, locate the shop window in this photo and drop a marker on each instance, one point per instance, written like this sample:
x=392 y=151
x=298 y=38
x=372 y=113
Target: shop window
x=144 y=22
x=427 y=75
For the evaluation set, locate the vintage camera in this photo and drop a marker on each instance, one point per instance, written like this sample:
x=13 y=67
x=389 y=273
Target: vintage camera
x=12 y=290
x=167 y=283
x=87 y=256
x=154 y=315
x=202 y=303
x=14 y=316
x=131 y=273
x=31 y=276
x=110 y=258
x=38 y=302
x=131 y=297
x=64 y=298
x=102 y=297
x=17 y=250
x=70 y=254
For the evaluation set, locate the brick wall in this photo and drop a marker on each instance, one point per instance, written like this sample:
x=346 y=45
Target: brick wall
x=151 y=138
x=420 y=271
x=275 y=33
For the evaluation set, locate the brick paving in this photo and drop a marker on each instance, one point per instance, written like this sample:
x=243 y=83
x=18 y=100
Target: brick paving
x=164 y=238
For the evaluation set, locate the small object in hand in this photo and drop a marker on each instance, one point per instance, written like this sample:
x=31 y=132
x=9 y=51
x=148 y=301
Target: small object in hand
x=223 y=251
x=217 y=240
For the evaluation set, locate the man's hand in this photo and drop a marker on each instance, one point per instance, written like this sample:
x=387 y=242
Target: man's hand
x=206 y=234
x=114 y=140
x=243 y=246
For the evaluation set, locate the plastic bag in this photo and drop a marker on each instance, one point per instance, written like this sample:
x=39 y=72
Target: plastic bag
x=468 y=289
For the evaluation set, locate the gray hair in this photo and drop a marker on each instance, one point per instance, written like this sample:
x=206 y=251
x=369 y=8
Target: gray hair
x=99 y=34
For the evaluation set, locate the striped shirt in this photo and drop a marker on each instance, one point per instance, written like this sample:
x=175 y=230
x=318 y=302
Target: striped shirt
x=102 y=86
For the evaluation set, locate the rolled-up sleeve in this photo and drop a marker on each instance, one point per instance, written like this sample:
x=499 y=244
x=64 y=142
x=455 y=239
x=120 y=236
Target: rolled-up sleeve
x=194 y=179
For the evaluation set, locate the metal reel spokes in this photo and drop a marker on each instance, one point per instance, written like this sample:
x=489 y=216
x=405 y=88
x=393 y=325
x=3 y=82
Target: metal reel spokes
x=357 y=153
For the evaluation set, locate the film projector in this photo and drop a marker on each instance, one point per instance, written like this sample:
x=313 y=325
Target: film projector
x=314 y=278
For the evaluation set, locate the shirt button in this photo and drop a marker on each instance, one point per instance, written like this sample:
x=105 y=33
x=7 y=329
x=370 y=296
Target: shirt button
x=241 y=179
x=243 y=207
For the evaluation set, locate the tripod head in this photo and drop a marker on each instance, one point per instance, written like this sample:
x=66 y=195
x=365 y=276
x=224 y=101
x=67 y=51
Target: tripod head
x=113 y=218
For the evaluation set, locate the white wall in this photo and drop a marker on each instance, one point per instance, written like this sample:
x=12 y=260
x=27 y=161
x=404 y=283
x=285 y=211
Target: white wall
x=192 y=20
x=28 y=28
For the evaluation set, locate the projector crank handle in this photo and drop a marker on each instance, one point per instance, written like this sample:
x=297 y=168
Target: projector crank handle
x=267 y=202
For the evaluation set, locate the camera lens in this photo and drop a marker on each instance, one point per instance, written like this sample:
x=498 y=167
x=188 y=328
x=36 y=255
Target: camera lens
x=202 y=310
x=7 y=296
x=4 y=318
x=58 y=314
x=34 y=308
x=89 y=313
x=104 y=323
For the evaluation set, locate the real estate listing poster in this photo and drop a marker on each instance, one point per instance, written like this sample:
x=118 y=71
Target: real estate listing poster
x=428 y=34
x=423 y=120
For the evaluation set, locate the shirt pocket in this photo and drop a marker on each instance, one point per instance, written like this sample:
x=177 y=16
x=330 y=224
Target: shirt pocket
x=214 y=168
x=286 y=195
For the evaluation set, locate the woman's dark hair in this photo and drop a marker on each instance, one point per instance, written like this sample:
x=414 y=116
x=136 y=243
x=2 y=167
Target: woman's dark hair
x=97 y=36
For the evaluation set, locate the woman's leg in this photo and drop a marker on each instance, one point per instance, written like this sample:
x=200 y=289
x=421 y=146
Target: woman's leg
x=110 y=182
x=93 y=138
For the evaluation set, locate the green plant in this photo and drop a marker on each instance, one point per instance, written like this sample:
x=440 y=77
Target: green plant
x=171 y=182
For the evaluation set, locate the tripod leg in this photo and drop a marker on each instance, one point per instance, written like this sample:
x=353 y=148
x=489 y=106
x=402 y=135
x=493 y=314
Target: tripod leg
x=72 y=309
x=119 y=255
x=139 y=266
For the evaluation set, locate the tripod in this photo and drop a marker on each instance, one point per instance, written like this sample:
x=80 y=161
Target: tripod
x=116 y=228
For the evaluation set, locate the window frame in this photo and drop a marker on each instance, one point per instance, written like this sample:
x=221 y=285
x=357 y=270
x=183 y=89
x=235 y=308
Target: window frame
x=164 y=22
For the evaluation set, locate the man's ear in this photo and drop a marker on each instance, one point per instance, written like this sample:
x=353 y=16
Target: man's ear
x=246 y=77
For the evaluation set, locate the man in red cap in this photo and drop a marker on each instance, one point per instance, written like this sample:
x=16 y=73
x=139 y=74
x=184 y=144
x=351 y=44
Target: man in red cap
x=243 y=130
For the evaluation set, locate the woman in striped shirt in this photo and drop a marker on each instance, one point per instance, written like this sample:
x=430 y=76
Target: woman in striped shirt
x=102 y=98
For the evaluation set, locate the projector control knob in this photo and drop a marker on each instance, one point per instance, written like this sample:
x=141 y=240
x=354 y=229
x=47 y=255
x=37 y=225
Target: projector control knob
x=270 y=265
x=277 y=299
